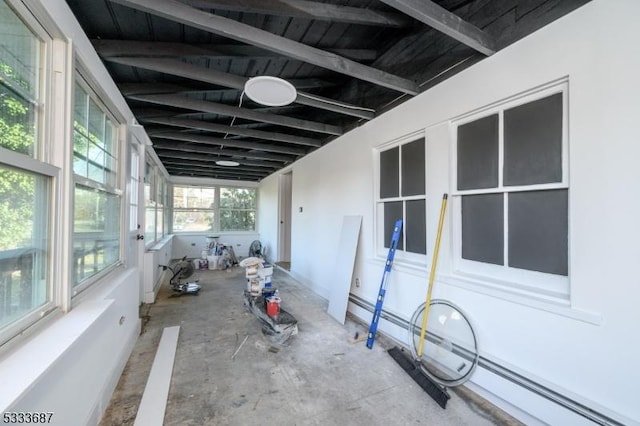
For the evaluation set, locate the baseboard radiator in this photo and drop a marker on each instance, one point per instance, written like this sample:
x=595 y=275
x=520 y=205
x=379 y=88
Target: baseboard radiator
x=505 y=373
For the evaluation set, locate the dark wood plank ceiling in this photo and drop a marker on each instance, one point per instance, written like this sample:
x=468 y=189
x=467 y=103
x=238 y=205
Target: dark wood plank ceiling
x=182 y=66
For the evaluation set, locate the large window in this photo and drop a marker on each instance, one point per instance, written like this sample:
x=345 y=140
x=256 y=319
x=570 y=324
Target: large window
x=97 y=198
x=201 y=209
x=25 y=179
x=402 y=195
x=512 y=192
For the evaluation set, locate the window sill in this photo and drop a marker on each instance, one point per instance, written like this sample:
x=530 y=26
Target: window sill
x=402 y=265
x=549 y=302
x=159 y=245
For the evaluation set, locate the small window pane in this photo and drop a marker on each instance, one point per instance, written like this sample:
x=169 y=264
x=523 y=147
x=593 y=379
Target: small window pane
x=23 y=243
x=150 y=222
x=237 y=220
x=483 y=228
x=478 y=154
x=237 y=198
x=19 y=81
x=413 y=175
x=533 y=142
x=96 y=232
x=96 y=123
x=81 y=110
x=94 y=147
x=193 y=220
x=392 y=212
x=193 y=197
x=390 y=173
x=415 y=226
x=538 y=231
x=237 y=209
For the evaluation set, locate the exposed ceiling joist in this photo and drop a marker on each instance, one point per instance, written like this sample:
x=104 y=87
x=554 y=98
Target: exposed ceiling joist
x=305 y=9
x=335 y=106
x=179 y=12
x=111 y=48
x=178 y=154
x=446 y=22
x=230 y=111
x=238 y=171
x=158 y=87
x=220 y=128
x=206 y=75
x=210 y=175
x=233 y=143
x=212 y=165
x=200 y=149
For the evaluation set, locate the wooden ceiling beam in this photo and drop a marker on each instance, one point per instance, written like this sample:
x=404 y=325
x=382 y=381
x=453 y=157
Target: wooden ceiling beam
x=307 y=10
x=183 y=69
x=441 y=19
x=187 y=15
x=111 y=48
x=179 y=154
x=220 y=128
x=236 y=170
x=231 y=111
x=213 y=175
x=181 y=149
x=167 y=159
x=157 y=87
x=233 y=143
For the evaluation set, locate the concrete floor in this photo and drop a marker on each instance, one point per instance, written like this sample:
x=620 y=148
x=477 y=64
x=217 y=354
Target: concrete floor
x=317 y=377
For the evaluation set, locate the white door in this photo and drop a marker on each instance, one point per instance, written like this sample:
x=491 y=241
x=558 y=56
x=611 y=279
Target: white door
x=284 y=219
x=135 y=240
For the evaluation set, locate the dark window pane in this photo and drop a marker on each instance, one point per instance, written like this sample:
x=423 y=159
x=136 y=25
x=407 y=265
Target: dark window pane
x=413 y=180
x=483 y=228
x=533 y=142
x=415 y=227
x=389 y=173
x=478 y=154
x=392 y=212
x=538 y=226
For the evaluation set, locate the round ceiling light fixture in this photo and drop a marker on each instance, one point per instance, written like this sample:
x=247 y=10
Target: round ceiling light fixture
x=270 y=91
x=227 y=163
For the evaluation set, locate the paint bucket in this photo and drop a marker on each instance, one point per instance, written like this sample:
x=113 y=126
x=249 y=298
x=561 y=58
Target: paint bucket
x=273 y=306
x=213 y=262
x=268 y=292
x=254 y=286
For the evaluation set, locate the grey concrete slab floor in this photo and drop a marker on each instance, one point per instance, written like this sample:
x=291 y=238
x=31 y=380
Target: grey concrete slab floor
x=317 y=377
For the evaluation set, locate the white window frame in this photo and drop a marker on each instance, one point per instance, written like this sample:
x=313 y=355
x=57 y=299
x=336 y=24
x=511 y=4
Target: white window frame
x=42 y=163
x=546 y=286
x=401 y=256
x=215 y=209
x=81 y=78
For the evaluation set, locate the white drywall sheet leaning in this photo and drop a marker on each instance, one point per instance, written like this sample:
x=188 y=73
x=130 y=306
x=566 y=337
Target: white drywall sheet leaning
x=343 y=269
x=154 y=398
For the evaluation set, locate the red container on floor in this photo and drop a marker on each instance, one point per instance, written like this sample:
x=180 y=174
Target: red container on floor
x=273 y=306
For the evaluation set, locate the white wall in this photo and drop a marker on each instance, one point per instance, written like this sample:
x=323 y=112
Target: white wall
x=585 y=351
x=192 y=244
x=268 y=208
x=72 y=366
x=158 y=255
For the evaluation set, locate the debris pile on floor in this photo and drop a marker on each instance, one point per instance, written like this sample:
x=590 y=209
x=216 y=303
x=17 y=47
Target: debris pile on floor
x=280 y=326
x=263 y=300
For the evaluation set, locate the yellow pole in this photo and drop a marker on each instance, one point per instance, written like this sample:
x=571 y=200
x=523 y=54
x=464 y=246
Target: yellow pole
x=432 y=275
